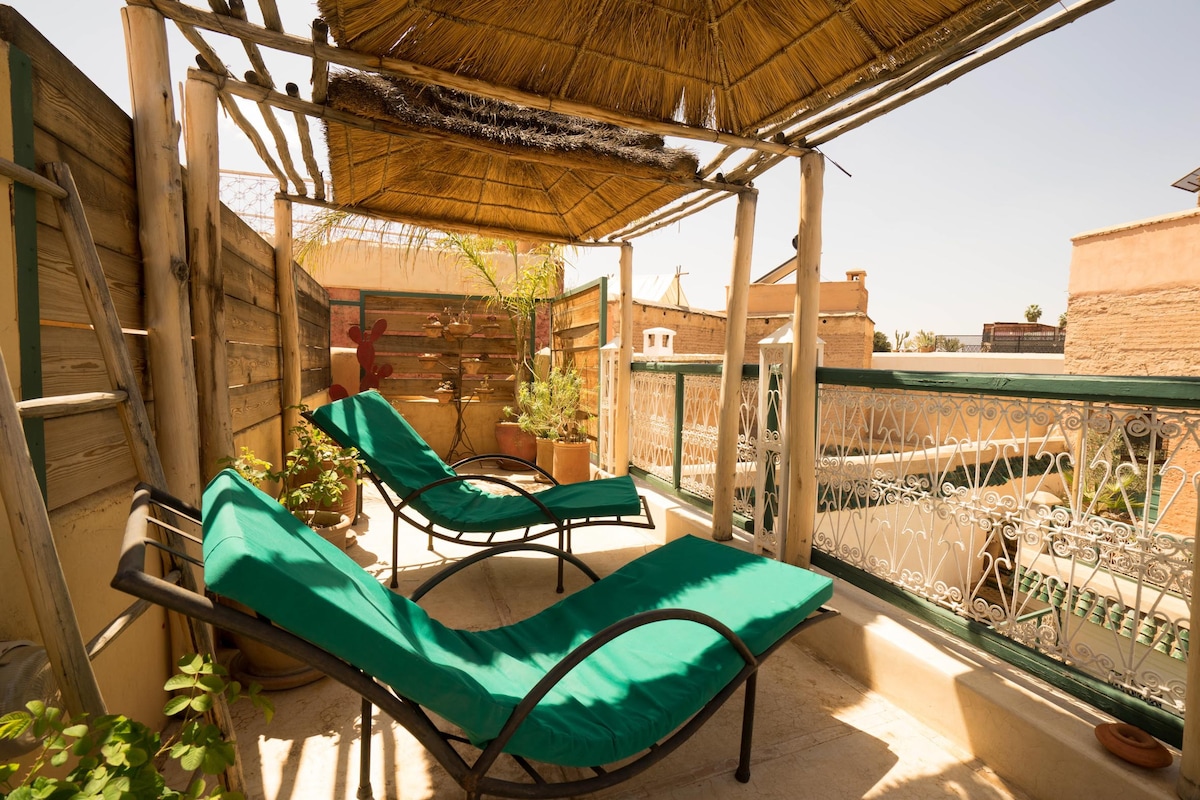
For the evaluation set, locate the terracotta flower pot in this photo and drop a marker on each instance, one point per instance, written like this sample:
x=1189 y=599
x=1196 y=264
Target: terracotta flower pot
x=545 y=456
x=572 y=462
x=512 y=441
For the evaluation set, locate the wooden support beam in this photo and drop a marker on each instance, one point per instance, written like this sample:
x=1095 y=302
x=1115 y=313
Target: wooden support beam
x=289 y=321
x=802 y=410
x=208 y=281
x=69 y=404
x=270 y=15
x=138 y=433
x=281 y=142
x=624 y=390
x=237 y=10
x=306 y=146
x=291 y=102
x=890 y=101
x=164 y=252
x=729 y=406
x=239 y=119
x=320 y=67
x=427 y=75
x=33 y=540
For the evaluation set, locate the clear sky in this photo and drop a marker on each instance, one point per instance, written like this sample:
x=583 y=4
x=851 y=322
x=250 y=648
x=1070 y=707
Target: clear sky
x=962 y=203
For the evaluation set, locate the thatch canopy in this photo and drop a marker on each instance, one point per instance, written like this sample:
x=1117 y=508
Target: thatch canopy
x=730 y=65
x=482 y=164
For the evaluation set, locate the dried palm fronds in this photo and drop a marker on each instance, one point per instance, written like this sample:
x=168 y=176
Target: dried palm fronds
x=471 y=164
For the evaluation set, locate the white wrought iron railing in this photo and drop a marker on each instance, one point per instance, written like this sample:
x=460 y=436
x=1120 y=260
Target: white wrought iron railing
x=673 y=413
x=1054 y=513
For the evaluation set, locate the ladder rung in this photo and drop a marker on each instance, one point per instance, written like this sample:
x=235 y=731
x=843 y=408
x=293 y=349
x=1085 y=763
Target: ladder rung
x=13 y=170
x=121 y=624
x=68 y=404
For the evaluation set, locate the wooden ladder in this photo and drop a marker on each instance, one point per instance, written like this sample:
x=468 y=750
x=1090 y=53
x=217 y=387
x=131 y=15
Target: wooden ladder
x=28 y=517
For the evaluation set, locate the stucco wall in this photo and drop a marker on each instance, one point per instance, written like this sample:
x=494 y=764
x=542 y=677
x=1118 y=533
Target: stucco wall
x=847 y=337
x=1134 y=295
x=1133 y=307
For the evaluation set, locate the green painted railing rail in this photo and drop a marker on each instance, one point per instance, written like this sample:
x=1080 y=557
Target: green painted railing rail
x=1138 y=391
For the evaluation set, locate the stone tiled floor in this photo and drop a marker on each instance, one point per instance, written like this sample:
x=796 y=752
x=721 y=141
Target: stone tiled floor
x=818 y=734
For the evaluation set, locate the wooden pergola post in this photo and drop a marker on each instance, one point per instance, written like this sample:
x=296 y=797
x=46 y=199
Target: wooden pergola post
x=208 y=282
x=164 y=254
x=624 y=366
x=802 y=410
x=289 y=322
x=737 y=304
x=1187 y=786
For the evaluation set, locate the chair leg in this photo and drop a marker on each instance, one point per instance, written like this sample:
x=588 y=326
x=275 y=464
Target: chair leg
x=364 y=753
x=395 y=548
x=743 y=770
x=559 y=589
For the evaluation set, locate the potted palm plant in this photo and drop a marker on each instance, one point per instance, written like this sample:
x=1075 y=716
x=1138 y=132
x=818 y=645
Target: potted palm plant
x=517 y=297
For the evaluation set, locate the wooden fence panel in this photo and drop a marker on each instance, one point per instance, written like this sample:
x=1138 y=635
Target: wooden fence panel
x=577 y=325
x=410 y=351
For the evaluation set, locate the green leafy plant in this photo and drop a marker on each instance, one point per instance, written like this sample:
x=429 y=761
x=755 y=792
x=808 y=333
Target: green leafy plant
x=949 y=344
x=926 y=341
x=115 y=757
x=546 y=407
x=1033 y=313
x=516 y=296
x=314 y=474
x=880 y=343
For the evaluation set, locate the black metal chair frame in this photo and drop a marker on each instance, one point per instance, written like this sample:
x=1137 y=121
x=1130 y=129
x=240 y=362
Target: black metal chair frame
x=553 y=524
x=473 y=777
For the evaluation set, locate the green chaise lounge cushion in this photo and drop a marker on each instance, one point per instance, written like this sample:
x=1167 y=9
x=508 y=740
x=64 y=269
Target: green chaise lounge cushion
x=402 y=460
x=628 y=695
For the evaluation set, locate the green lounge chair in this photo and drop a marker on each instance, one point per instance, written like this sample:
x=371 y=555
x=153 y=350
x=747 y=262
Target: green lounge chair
x=628 y=667
x=449 y=504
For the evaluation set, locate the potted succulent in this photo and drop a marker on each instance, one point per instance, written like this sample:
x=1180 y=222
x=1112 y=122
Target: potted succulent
x=318 y=483
x=572 y=449
x=433 y=326
x=537 y=415
x=460 y=327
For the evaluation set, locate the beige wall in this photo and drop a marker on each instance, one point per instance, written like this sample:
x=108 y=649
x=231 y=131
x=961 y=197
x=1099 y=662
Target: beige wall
x=836 y=296
x=1031 y=363
x=847 y=336
x=1133 y=310
x=1134 y=295
x=365 y=264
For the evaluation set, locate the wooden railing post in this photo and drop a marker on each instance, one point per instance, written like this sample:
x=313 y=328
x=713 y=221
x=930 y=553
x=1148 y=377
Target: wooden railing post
x=164 y=253
x=289 y=321
x=802 y=408
x=620 y=448
x=729 y=406
x=208 y=282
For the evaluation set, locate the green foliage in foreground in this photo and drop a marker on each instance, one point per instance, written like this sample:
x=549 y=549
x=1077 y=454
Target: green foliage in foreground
x=115 y=758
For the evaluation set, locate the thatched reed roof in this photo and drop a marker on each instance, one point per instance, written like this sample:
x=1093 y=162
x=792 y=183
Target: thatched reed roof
x=454 y=161
x=733 y=65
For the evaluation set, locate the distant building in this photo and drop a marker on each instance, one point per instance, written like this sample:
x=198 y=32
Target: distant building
x=1022 y=337
x=845 y=328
